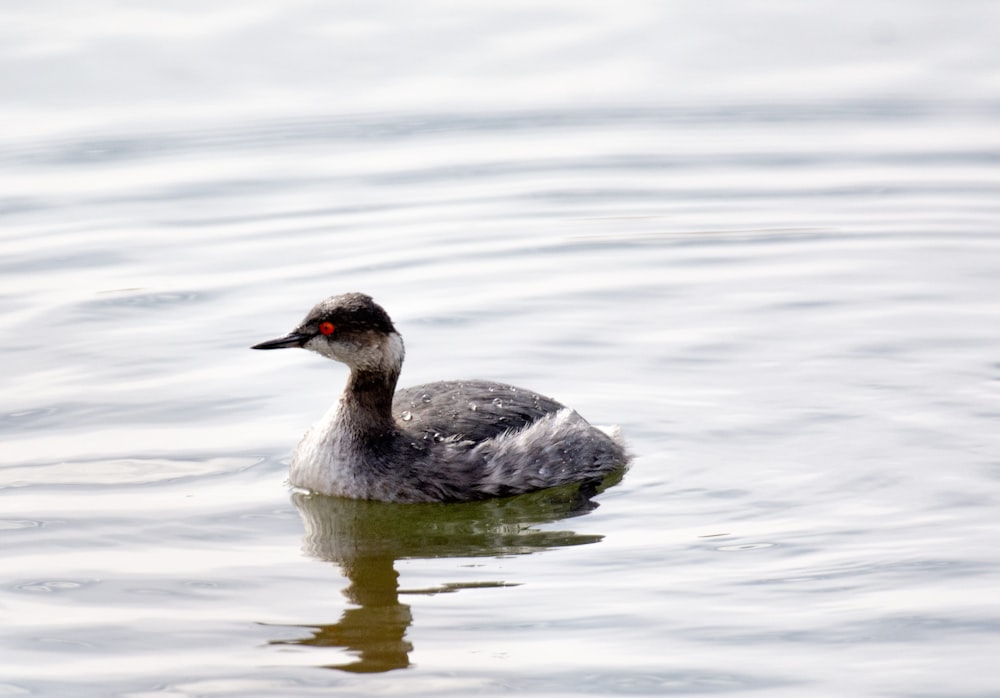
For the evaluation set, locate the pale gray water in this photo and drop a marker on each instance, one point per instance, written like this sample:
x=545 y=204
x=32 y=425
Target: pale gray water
x=762 y=238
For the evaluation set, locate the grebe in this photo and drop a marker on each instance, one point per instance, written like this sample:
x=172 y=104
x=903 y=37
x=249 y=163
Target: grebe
x=440 y=442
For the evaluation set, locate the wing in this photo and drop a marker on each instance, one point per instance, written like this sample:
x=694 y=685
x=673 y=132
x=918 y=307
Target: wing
x=467 y=410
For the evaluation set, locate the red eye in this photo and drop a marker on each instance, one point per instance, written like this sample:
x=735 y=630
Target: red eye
x=326 y=328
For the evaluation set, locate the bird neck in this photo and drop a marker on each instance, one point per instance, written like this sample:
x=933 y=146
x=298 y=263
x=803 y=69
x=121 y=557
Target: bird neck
x=366 y=405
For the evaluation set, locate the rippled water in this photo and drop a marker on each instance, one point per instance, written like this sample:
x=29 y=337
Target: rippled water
x=763 y=242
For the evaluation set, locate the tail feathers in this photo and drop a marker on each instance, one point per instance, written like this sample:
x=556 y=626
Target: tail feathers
x=557 y=449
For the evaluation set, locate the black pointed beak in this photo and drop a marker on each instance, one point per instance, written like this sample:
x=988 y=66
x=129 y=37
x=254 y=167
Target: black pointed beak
x=292 y=339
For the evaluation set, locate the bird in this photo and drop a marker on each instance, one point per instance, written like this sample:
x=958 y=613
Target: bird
x=447 y=441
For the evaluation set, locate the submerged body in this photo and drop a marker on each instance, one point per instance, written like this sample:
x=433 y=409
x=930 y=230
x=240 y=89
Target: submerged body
x=445 y=441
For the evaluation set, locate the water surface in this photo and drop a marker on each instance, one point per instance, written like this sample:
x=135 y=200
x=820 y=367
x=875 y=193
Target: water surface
x=762 y=241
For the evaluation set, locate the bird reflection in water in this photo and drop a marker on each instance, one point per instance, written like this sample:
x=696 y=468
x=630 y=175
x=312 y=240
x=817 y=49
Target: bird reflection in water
x=365 y=539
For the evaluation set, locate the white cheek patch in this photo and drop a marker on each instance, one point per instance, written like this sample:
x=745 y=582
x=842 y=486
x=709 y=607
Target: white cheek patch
x=384 y=354
x=322 y=347
x=394 y=351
